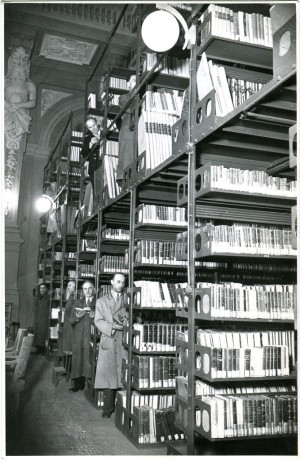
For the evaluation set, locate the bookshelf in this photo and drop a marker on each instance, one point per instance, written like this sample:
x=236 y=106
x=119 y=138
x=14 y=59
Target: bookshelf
x=220 y=143
x=57 y=260
x=174 y=225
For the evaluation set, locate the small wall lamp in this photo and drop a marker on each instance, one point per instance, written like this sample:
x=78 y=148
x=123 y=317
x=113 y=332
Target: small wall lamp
x=160 y=30
x=45 y=203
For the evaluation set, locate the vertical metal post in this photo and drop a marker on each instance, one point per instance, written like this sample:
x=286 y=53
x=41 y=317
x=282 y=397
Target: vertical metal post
x=191 y=149
x=130 y=286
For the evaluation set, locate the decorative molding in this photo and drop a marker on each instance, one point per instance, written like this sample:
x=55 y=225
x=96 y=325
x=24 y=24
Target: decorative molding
x=101 y=14
x=49 y=97
x=65 y=49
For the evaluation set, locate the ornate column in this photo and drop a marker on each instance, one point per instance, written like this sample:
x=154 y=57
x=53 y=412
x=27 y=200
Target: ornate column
x=29 y=225
x=20 y=96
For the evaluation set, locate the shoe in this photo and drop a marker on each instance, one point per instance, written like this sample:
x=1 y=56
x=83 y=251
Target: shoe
x=105 y=415
x=73 y=389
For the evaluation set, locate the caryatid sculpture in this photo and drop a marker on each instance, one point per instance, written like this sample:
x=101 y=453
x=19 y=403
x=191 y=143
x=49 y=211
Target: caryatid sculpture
x=20 y=96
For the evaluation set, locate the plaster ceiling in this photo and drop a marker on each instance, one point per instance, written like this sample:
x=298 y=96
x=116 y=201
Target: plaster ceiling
x=72 y=35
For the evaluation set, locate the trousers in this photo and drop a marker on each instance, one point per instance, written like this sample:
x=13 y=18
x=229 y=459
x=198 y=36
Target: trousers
x=108 y=401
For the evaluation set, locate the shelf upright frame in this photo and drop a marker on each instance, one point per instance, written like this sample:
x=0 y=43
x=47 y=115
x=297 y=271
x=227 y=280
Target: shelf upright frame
x=191 y=151
x=133 y=201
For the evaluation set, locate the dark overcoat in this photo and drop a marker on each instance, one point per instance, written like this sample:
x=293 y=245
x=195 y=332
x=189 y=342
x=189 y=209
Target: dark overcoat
x=41 y=320
x=111 y=351
x=81 y=366
x=68 y=328
x=126 y=137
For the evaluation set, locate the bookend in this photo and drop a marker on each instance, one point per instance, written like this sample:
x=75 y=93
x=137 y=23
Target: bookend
x=283 y=19
x=181 y=414
x=130 y=426
x=128 y=175
x=134 y=294
x=204 y=119
x=180 y=136
x=182 y=191
x=293 y=146
x=181 y=246
x=140 y=168
x=182 y=352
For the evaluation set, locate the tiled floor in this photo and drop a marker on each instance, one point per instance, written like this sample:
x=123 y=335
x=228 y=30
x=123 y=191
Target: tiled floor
x=53 y=421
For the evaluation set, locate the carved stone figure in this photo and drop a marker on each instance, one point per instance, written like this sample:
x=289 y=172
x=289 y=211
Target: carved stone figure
x=20 y=96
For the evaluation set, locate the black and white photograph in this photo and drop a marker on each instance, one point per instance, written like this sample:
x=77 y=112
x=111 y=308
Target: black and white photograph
x=149 y=243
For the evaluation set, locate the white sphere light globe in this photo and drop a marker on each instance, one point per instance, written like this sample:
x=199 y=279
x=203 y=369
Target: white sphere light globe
x=43 y=204
x=160 y=31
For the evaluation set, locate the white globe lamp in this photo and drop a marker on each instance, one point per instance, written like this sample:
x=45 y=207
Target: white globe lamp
x=44 y=204
x=160 y=31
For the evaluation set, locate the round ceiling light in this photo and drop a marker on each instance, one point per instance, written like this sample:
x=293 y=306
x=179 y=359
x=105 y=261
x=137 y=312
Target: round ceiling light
x=160 y=31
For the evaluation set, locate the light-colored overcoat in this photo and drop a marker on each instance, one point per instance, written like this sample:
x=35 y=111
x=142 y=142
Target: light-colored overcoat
x=111 y=351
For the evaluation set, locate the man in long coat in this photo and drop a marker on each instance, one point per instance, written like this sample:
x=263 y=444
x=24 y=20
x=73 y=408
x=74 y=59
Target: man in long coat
x=42 y=319
x=81 y=318
x=68 y=329
x=110 y=315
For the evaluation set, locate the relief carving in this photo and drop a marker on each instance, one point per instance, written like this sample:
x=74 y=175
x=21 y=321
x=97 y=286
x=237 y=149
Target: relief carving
x=67 y=50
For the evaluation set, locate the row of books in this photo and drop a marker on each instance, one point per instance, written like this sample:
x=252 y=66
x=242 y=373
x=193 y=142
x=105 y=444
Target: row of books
x=117 y=82
x=75 y=153
x=54 y=331
x=54 y=313
x=170 y=65
x=86 y=270
x=246 y=339
x=257 y=362
x=70 y=255
x=203 y=388
x=155 y=214
x=89 y=245
x=75 y=171
x=245 y=180
x=155 y=136
x=241 y=238
x=234 y=300
x=227 y=92
x=154 y=371
x=223 y=22
x=154 y=400
x=92 y=101
x=113 y=99
x=157 y=252
x=156 y=336
x=111 y=148
x=156 y=294
x=240 y=90
x=170 y=101
x=77 y=133
x=115 y=234
x=57 y=293
x=155 y=425
x=57 y=255
x=112 y=263
x=110 y=175
x=239 y=416
x=72 y=274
